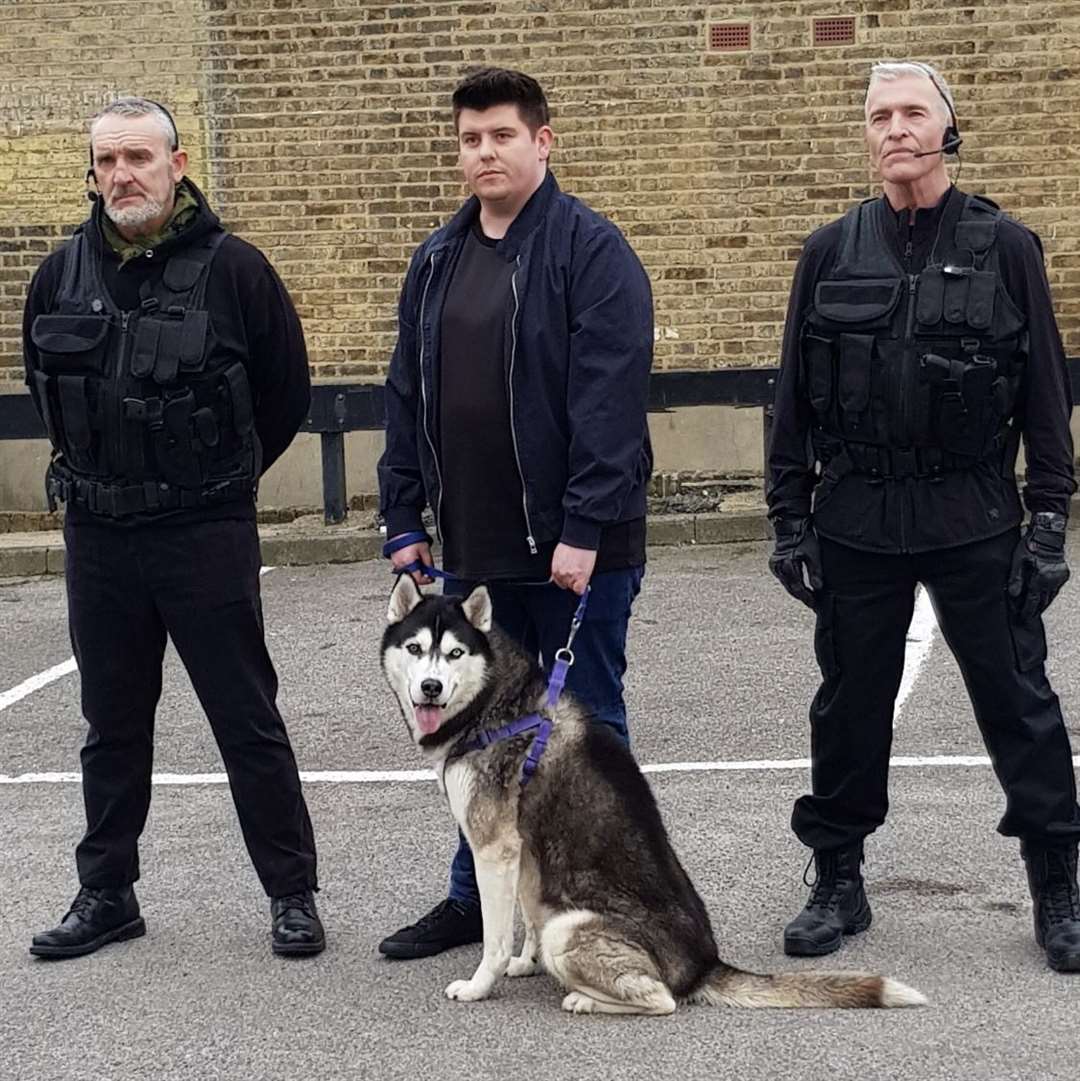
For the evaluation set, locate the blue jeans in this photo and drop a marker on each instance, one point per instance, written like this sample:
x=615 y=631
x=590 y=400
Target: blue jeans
x=538 y=617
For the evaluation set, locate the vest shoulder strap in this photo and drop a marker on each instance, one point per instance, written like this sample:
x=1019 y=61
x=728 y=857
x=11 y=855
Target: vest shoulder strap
x=864 y=247
x=183 y=281
x=977 y=226
x=79 y=267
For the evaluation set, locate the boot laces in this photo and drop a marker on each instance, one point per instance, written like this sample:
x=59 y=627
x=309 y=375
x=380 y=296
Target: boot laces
x=301 y=901
x=85 y=900
x=1061 y=899
x=825 y=888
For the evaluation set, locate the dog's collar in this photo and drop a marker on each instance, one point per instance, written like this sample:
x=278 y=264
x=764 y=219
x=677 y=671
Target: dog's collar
x=531 y=722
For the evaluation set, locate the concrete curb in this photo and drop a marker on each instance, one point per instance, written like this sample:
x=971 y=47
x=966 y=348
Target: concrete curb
x=307 y=541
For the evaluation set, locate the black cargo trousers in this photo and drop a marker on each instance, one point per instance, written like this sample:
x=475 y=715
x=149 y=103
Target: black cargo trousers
x=197 y=583
x=863 y=616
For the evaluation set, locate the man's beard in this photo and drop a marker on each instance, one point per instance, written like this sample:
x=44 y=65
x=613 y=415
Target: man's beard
x=131 y=217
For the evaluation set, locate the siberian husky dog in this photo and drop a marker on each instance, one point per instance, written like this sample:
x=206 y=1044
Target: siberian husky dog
x=607 y=907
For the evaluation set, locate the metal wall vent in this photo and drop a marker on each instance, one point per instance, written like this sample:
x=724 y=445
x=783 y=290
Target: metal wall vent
x=723 y=37
x=835 y=31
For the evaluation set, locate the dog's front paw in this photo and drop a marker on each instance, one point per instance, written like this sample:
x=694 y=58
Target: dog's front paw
x=466 y=991
x=522 y=966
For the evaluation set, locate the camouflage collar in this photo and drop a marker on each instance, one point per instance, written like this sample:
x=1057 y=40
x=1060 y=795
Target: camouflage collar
x=184 y=211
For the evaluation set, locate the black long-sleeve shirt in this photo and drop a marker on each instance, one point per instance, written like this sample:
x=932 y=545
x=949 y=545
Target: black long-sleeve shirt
x=1042 y=412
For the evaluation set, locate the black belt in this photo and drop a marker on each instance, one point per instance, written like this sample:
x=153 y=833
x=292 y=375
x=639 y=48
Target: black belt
x=923 y=463
x=121 y=500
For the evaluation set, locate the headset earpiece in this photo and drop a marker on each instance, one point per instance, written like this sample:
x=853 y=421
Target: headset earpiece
x=951 y=140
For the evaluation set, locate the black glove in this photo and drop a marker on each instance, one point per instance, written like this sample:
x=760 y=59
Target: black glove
x=796 y=559
x=1039 y=569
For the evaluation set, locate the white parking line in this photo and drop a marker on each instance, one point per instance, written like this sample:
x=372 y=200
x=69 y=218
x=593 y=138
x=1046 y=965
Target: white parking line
x=407 y=776
x=35 y=683
x=51 y=675
x=920 y=638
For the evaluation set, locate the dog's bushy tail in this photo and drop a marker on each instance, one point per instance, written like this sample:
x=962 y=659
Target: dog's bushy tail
x=727 y=986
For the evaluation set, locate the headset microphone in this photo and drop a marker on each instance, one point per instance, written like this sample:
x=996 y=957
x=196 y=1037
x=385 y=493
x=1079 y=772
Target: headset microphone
x=949 y=146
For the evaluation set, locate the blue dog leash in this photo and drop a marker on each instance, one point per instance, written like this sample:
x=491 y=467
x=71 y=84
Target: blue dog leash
x=406 y=539
x=564 y=658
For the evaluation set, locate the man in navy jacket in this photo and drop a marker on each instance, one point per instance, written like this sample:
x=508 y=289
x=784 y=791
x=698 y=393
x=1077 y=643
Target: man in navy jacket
x=516 y=403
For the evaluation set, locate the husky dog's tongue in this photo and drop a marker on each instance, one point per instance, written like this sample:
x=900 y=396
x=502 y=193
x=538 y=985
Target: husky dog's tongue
x=428 y=718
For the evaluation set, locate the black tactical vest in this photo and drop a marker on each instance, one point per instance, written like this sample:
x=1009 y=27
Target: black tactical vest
x=914 y=374
x=147 y=409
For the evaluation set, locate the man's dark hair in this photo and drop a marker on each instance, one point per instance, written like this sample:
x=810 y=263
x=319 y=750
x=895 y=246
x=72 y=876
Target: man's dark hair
x=489 y=87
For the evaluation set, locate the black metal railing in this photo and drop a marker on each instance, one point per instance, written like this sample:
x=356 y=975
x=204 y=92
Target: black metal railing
x=337 y=408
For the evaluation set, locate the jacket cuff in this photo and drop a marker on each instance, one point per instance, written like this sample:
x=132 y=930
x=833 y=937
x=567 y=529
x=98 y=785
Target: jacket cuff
x=404 y=520
x=581 y=533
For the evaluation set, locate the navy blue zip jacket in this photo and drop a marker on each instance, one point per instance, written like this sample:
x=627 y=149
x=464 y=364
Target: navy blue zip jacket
x=579 y=349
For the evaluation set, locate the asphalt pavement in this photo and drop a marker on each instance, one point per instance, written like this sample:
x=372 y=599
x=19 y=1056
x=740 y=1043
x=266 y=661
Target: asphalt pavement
x=721 y=674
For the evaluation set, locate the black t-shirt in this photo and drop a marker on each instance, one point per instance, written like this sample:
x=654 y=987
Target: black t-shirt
x=483 y=511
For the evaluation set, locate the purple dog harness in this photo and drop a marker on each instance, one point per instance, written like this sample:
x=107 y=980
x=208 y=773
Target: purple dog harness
x=535 y=722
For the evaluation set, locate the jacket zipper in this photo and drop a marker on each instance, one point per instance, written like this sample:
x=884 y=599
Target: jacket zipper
x=118 y=393
x=424 y=400
x=908 y=375
x=529 y=538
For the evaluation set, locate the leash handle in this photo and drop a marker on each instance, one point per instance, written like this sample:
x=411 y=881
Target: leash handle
x=564 y=658
x=417 y=536
x=406 y=540
x=424 y=568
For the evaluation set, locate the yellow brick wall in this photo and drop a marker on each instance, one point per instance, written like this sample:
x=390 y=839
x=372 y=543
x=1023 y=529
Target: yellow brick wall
x=320 y=130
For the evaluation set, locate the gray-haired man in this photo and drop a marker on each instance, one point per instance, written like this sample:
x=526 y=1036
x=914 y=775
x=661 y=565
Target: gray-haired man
x=920 y=348
x=169 y=367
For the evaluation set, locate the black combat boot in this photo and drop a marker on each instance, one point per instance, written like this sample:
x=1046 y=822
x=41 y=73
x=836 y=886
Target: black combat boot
x=837 y=905
x=96 y=917
x=1052 y=880
x=450 y=923
x=297 y=930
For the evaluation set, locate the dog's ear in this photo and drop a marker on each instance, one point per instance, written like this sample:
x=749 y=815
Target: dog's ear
x=404 y=597
x=477 y=608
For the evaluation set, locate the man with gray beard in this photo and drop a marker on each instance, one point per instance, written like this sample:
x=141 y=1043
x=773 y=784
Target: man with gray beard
x=168 y=364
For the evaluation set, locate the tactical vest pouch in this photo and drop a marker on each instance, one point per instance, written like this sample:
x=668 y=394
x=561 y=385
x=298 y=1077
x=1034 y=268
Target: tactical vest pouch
x=180 y=274
x=240 y=394
x=75 y=411
x=180 y=345
x=193 y=340
x=206 y=427
x=818 y=371
x=853 y=378
x=41 y=386
x=70 y=343
x=172 y=442
x=866 y=301
x=931 y=298
x=980 y=303
x=956 y=297
x=144 y=352
x=965 y=417
x=167 y=361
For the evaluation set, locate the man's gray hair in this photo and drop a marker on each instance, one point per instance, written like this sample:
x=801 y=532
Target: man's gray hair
x=132 y=106
x=888 y=70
